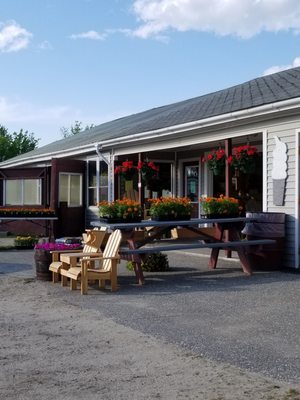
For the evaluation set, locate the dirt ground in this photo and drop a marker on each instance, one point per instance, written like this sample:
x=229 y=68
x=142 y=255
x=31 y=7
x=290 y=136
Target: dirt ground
x=51 y=349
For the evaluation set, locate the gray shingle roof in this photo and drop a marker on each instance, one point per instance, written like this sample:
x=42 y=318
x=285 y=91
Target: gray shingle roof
x=268 y=89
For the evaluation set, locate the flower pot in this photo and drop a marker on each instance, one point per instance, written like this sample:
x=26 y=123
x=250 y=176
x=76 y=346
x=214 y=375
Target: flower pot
x=120 y=220
x=170 y=217
x=219 y=216
x=43 y=259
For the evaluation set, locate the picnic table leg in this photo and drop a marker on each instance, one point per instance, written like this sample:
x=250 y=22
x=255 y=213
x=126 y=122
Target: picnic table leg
x=215 y=252
x=244 y=258
x=137 y=263
x=138 y=273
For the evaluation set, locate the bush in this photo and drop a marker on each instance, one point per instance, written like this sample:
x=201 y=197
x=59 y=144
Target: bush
x=26 y=241
x=155 y=262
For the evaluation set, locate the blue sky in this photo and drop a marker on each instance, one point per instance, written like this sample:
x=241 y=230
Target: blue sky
x=63 y=61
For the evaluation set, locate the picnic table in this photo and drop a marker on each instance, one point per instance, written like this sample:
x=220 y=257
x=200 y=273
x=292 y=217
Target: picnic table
x=153 y=240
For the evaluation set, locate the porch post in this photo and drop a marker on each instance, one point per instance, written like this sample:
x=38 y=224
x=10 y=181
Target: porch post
x=228 y=175
x=140 y=180
x=111 y=177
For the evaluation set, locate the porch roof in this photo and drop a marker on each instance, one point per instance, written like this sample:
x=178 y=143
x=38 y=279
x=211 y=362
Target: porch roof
x=281 y=86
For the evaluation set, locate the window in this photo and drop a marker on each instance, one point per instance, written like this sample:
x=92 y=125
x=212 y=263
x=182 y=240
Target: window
x=70 y=189
x=97 y=182
x=19 y=192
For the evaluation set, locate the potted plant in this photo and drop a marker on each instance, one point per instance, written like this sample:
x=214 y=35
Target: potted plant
x=126 y=170
x=43 y=257
x=220 y=207
x=124 y=210
x=216 y=161
x=170 y=208
x=243 y=159
x=149 y=171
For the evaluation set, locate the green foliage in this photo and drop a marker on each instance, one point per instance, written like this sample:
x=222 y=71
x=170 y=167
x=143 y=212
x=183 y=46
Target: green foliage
x=170 y=207
x=124 y=209
x=17 y=143
x=74 y=129
x=155 y=262
x=26 y=241
x=222 y=205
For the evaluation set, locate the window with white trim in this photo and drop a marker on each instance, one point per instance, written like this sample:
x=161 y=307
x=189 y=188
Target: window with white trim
x=70 y=189
x=20 y=192
x=97 y=182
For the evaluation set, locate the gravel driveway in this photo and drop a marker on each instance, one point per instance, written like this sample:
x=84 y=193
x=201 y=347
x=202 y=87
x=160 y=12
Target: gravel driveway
x=244 y=327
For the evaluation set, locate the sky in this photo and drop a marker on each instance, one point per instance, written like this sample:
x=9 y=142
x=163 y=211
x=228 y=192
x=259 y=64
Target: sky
x=93 y=61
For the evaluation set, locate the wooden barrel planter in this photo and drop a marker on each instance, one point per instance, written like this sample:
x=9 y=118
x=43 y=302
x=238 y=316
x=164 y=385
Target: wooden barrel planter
x=268 y=226
x=42 y=260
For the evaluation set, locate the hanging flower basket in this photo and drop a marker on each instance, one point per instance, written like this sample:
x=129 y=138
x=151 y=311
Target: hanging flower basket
x=216 y=161
x=243 y=159
x=127 y=170
x=149 y=171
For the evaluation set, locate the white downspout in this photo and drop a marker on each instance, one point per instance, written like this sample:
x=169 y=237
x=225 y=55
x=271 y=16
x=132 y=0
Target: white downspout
x=110 y=165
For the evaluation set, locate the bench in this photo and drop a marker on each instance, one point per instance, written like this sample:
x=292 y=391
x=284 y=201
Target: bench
x=186 y=246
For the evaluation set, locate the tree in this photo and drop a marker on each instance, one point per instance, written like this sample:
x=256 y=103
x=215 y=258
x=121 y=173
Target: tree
x=17 y=143
x=74 y=129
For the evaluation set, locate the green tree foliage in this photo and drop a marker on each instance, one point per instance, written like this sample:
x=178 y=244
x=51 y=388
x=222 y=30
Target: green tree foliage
x=17 y=143
x=74 y=129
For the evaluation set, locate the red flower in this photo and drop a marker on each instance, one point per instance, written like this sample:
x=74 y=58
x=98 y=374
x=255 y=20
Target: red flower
x=127 y=164
x=216 y=161
x=244 y=158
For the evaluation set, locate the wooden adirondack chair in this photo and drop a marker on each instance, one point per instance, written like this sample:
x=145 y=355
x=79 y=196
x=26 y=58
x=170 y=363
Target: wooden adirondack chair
x=61 y=259
x=108 y=270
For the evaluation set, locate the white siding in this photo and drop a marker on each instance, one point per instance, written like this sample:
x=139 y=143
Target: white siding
x=285 y=130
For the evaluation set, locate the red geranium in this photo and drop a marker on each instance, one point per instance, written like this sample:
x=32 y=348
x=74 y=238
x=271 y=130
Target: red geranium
x=244 y=158
x=215 y=161
x=126 y=170
x=149 y=170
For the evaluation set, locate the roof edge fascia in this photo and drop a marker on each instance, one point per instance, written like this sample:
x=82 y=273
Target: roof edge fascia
x=168 y=131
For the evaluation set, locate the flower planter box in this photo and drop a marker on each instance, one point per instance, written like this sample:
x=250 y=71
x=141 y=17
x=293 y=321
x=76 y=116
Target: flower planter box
x=120 y=220
x=25 y=215
x=219 y=216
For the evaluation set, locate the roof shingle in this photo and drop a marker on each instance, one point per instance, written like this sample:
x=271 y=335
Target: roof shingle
x=268 y=89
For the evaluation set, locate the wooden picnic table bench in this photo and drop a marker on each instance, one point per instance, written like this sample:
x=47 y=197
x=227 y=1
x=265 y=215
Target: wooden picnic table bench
x=203 y=238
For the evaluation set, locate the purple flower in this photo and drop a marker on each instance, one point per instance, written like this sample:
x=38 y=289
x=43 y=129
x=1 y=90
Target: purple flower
x=50 y=246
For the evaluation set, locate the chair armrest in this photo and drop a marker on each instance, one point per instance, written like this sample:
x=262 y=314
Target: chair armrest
x=65 y=251
x=111 y=258
x=86 y=260
x=79 y=255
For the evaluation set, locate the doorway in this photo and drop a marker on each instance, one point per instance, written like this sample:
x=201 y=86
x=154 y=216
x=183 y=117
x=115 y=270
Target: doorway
x=192 y=185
